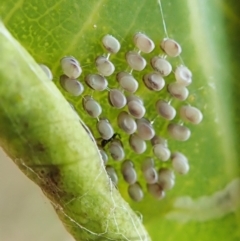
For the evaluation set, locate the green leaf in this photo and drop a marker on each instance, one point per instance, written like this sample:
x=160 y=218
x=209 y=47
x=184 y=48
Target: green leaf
x=209 y=35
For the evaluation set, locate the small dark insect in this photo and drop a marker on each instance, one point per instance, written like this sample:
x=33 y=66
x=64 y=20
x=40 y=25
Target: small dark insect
x=105 y=142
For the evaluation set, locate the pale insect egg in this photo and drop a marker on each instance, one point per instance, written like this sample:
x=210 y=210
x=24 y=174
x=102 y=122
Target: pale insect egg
x=47 y=71
x=166 y=178
x=111 y=44
x=104 y=66
x=158 y=140
x=191 y=114
x=145 y=129
x=126 y=123
x=71 y=67
x=91 y=106
x=135 y=98
x=70 y=58
x=112 y=175
x=150 y=175
x=178 y=91
x=96 y=82
x=72 y=86
x=147 y=163
x=180 y=163
x=136 y=109
x=161 y=152
x=154 y=81
x=116 y=150
x=135 y=61
x=165 y=110
x=127 y=82
x=135 y=192
x=156 y=191
x=104 y=156
x=161 y=65
x=128 y=172
x=183 y=75
x=171 y=47
x=143 y=42
x=179 y=132
x=116 y=98
x=105 y=129
x=137 y=144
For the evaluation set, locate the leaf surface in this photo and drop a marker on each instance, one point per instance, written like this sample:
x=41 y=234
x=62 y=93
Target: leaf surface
x=209 y=35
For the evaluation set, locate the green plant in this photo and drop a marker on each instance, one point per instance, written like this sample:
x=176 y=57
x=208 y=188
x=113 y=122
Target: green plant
x=208 y=33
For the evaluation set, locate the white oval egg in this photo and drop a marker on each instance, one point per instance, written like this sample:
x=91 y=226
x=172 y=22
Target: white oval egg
x=143 y=42
x=104 y=156
x=96 y=82
x=126 y=123
x=128 y=172
x=112 y=174
x=165 y=110
x=158 y=140
x=154 y=81
x=161 y=65
x=150 y=175
x=171 y=47
x=104 y=66
x=191 y=114
x=166 y=178
x=135 y=98
x=135 y=192
x=180 y=163
x=179 y=132
x=145 y=129
x=156 y=191
x=105 y=129
x=72 y=86
x=161 y=152
x=111 y=44
x=91 y=106
x=71 y=67
x=178 y=91
x=47 y=71
x=183 y=75
x=117 y=99
x=116 y=150
x=136 y=109
x=137 y=144
x=135 y=61
x=127 y=82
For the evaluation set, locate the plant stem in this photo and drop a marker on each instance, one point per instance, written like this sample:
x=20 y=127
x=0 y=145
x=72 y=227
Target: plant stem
x=43 y=136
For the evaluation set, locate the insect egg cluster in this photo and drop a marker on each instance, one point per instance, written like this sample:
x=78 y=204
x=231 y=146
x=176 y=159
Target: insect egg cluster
x=132 y=136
